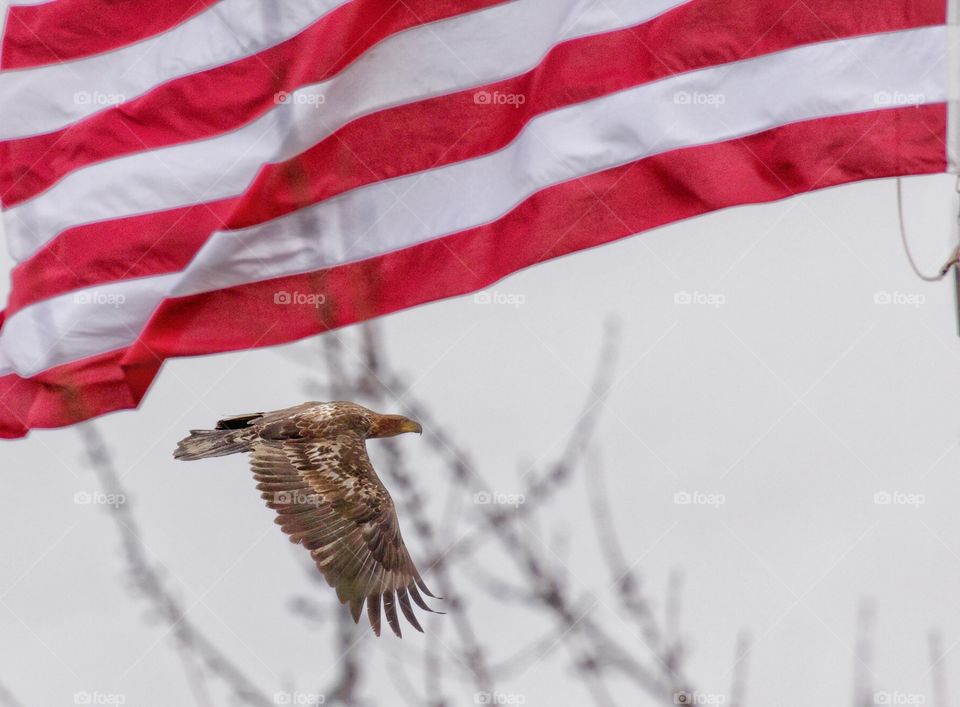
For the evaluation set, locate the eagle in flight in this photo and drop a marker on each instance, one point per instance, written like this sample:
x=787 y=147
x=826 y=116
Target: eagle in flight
x=312 y=468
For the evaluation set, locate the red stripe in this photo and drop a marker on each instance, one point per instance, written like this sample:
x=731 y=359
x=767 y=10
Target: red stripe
x=699 y=34
x=559 y=220
x=215 y=101
x=434 y=132
x=71 y=393
x=139 y=246
x=71 y=29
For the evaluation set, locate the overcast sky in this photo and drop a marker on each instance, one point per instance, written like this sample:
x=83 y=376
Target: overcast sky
x=780 y=356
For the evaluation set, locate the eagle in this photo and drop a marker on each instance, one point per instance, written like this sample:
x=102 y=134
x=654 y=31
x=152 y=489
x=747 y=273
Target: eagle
x=311 y=466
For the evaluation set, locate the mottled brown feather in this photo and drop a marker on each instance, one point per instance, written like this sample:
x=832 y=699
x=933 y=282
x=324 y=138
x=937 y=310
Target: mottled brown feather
x=311 y=466
x=317 y=476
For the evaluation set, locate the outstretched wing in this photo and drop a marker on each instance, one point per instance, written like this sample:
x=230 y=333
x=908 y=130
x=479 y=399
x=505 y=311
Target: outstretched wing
x=329 y=499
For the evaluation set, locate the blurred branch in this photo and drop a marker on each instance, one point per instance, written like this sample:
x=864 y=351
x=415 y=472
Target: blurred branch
x=738 y=683
x=623 y=577
x=543 y=586
x=536 y=580
x=863 y=687
x=344 y=690
x=472 y=654
x=405 y=688
x=345 y=686
x=7 y=699
x=941 y=697
x=673 y=650
x=190 y=640
x=539 y=581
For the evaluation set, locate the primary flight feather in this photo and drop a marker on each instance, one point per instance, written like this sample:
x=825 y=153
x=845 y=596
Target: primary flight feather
x=311 y=466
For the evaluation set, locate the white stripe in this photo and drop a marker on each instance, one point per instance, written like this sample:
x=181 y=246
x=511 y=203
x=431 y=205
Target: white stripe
x=111 y=316
x=41 y=99
x=832 y=78
x=430 y=60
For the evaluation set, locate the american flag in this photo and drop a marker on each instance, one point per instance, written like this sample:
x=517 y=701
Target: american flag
x=195 y=176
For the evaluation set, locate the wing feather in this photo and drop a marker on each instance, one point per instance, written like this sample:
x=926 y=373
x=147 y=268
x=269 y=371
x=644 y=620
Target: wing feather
x=373 y=612
x=328 y=498
x=390 y=609
x=407 y=609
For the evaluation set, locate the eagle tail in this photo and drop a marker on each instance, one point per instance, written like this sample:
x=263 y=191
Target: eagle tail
x=212 y=443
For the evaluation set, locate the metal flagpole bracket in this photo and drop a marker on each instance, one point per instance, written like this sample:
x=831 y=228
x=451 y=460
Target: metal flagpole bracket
x=956 y=294
x=952 y=263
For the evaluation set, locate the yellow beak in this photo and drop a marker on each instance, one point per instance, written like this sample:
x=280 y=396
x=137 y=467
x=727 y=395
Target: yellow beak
x=411 y=426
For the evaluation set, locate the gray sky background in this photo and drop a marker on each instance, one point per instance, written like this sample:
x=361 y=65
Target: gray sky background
x=798 y=399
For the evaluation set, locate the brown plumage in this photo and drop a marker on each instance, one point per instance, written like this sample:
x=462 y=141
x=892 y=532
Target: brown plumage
x=311 y=466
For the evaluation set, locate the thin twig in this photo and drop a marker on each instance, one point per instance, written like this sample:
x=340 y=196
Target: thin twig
x=7 y=699
x=938 y=674
x=738 y=681
x=863 y=687
x=189 y=638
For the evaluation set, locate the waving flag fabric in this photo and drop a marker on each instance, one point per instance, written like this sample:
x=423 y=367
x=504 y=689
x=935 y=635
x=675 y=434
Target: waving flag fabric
x=184 y=177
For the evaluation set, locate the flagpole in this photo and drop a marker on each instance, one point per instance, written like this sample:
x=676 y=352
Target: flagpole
x=956 y=295
x=956 y=266
x=953 y=127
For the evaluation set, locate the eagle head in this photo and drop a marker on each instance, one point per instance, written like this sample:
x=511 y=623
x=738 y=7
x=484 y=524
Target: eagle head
x=392 y=425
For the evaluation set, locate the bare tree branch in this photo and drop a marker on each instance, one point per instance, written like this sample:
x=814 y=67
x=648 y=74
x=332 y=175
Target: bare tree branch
x=7 y=699
x=537 y=582
x=738 y=682
x=189 y=639
x=863 y=687
x=941 y=697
